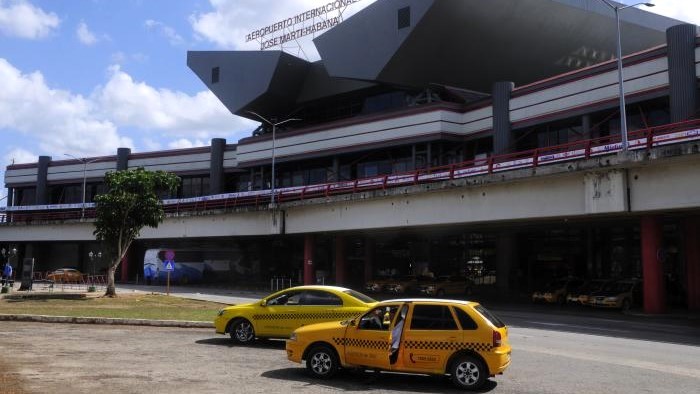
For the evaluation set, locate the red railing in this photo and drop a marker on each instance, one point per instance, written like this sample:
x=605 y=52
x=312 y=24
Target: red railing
x=637 y=140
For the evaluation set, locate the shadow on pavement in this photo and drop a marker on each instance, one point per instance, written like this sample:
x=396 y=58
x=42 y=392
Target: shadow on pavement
x=351 y=380
x=228 y=342
x=604 y=323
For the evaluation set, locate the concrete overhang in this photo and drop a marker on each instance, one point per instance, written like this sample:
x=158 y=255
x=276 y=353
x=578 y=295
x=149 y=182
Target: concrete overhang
x=474 y=43
x=266 y=82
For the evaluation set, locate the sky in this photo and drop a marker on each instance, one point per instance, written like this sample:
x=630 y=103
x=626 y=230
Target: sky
x=85 y=77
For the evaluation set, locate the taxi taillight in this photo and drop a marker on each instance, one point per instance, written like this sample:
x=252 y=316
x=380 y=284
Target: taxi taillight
x=496 y=338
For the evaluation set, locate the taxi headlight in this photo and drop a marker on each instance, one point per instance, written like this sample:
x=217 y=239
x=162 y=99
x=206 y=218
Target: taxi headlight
x=612 y=299
x=293 y=336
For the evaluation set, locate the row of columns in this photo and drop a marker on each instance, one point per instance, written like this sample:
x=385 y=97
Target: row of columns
x=683 y=100
x=654 y=289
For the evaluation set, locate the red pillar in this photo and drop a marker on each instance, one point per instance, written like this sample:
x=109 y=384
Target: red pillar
x=369 y=259
x=125 y=268
x=652 y=268
x=309 y=278
x=340 y=261
x=692 y=261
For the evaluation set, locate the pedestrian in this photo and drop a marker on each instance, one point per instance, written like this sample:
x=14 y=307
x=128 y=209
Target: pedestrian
x=6 y=274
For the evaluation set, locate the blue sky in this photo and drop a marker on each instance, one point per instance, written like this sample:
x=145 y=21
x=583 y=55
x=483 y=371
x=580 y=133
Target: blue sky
x=85 y=77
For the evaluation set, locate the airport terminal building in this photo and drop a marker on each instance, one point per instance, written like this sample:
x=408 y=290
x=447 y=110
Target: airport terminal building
x=457 y=137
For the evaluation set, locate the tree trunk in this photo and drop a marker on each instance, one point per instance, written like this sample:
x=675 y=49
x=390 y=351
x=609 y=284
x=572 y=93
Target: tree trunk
x=111 y=290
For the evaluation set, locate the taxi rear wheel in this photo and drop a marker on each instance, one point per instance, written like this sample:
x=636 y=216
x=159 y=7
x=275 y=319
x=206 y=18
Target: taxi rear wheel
x=242 y=331
x=468 y=372
x=321 y=362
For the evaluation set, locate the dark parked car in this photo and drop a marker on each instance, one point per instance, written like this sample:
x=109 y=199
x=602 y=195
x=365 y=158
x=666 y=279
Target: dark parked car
x=555 y=292
x=621 y=294
x=581 y=295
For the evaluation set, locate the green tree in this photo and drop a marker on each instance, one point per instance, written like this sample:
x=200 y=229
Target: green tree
x=131 y=203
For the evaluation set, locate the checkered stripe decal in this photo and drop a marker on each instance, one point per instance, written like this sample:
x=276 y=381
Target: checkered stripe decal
x=438 y=345
x=362 y=343
x=306 y=316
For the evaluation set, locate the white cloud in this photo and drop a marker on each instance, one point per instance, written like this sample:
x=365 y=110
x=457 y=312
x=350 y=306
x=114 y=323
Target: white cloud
x=184 y=143
x=59 y=120
x=19 y=18
x=122 y=58
x=84 y=34
x=683 y=10
x=19 y=156
x=136 y=104
x=231 y=20
x=166 y=31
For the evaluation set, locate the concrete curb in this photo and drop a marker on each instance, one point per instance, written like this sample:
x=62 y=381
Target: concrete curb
x=106 y=320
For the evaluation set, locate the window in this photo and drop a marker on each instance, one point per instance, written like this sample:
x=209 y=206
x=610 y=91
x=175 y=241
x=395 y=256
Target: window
x=465 y=320
x=289 y=298
x=194 y=186
x=215 y=75
x=489 y=316
x=317 y=297
x=432 y=317
x=378 y=318
x=404 y=17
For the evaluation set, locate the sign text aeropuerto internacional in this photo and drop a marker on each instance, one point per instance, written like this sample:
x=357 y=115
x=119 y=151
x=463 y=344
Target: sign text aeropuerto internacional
x=289 y=23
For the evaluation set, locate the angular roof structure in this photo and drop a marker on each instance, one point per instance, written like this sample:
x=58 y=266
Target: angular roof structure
x=414 y=44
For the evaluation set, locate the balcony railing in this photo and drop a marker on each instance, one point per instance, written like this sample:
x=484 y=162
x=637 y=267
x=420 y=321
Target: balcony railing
x=638 y=140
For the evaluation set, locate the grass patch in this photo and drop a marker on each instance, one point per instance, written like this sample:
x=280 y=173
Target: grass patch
x=143 y=306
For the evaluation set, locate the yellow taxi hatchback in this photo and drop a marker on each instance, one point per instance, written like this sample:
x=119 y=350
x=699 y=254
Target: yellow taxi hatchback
x=461 y=339
x=278 y=314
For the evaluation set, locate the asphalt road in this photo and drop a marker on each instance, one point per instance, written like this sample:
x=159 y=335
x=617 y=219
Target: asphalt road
x=551 y=354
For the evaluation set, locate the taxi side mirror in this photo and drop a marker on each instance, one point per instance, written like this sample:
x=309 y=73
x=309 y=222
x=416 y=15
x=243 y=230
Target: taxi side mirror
x=353 y=323
x=263 y=303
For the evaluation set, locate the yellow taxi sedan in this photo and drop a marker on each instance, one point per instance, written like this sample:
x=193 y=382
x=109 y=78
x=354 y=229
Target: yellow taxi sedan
x=278 y=314
x=461 y=339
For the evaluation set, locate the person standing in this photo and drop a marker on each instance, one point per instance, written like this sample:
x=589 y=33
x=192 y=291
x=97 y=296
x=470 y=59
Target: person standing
x=7 y=274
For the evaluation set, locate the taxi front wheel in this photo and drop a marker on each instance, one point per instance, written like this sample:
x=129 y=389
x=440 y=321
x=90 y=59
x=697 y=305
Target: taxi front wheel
x=242 y=331
x=321 y=362
x=468 y=372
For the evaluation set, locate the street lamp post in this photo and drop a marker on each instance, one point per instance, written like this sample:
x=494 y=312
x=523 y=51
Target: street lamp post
x=274 y=126
x=620 y=78
x=93 y=256
x=85 y=162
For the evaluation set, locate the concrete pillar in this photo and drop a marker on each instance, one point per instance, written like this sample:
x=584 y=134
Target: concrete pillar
x=309 y=272
x=652 y=267
x=336 y=170
x=216 y=166
x=681 y=71
x=369 y=259
x=586 y=126
x=502 y=136
x=123 y=159
x=10 y=196
x=691 y=243
x=42 y=190
x=505 y=259
x=340 y=261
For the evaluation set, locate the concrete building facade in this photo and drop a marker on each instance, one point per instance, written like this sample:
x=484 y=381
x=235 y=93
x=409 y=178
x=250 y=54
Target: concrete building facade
x=431 y=136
